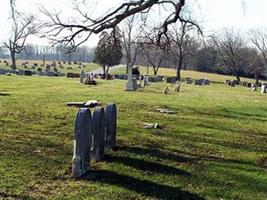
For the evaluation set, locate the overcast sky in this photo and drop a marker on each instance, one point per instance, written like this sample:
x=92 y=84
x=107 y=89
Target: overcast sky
x=213 y=14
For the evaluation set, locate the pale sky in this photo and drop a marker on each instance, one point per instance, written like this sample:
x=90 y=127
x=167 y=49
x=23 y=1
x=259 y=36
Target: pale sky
x=213 y=14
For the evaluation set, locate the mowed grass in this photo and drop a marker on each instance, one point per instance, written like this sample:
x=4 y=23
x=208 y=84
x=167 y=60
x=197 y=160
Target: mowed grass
x=213 y=148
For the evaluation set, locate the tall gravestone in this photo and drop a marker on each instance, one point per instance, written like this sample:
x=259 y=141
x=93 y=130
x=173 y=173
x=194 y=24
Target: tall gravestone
x=99 y=130
x=82 y=142
x=129 y=84
x=263 y=88
x=111 y=125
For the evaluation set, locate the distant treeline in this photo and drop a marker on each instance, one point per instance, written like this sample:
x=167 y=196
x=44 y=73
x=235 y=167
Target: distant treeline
x=40 y=52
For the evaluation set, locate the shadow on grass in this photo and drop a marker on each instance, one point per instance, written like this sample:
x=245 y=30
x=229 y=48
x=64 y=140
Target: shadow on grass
x=143 y=187
x=178 y=156
x=4 y=94
x=4 y=195
x=153 y=152
x=144 y=165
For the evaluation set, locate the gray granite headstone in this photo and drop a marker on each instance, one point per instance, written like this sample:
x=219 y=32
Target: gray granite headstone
x=146 y=80
x=99 y=130
x=82 y=143
x=111 y=125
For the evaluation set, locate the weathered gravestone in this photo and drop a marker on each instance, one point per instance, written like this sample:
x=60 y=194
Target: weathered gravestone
x=135 y=86
x=206 y=82
x=253 y=87
x=263 y=88
x=98 y=130
x=111 y=125
x=146 y=80
x=82 y=143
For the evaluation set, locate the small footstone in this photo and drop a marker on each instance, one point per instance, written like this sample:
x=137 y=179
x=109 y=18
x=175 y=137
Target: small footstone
x=99 y=130
x=82 y=143
x=111 y=125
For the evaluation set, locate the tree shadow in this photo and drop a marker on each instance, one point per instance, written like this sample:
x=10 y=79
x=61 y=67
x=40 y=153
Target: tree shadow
x=144 y=165
x=14 y=196
x=153 y=152
x=4 y=94
x=144 y=187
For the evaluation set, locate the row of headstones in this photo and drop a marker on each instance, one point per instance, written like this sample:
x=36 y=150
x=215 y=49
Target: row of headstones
x=252 y=86
x=93 y=134
x=140 y=77
x=30 y=73
x=189 y=80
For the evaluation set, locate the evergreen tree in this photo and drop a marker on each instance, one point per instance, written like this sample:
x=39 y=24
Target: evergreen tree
x=108 y=52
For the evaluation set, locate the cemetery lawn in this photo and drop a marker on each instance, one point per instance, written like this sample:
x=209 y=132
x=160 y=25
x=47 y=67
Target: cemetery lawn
x=213 y=148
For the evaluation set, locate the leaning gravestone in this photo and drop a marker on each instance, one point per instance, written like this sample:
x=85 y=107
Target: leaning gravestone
x=99 y=130
x=111 y=125
x=82 y=143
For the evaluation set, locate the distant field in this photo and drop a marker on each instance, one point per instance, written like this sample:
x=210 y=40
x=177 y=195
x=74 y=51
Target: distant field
x=75 y=69
x=213 y=148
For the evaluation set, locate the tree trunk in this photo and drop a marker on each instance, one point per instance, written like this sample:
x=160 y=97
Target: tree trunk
x=179 y=67
x=107 y=70
x=155 y=71
x=43 y=60
x=238 y=78
x=13 y=58
x=256 y=75
x=104 y=71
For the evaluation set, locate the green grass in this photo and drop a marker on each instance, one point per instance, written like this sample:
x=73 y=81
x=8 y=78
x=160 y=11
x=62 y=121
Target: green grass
x=213 y=148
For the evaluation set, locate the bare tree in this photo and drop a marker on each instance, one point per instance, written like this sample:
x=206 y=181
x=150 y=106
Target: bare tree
x=231 y=45
x=22 y=27
x=259 y=39
x=130 y=40
x=154 y=56
x=68 y=32
x=179 y=47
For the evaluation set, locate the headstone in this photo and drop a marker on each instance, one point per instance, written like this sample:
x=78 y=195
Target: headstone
x=111 y=125
x=146 y=80
x=188 y=80
x=129 y=84
x=198 y=82
x=135 y=86
x=253 y=87
x=27 y=73
x=82 y=143
x=263 y=88
x=232 y=83
x=99 y=130
x=171 y=79
x=206 y=82
x=70 y=75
